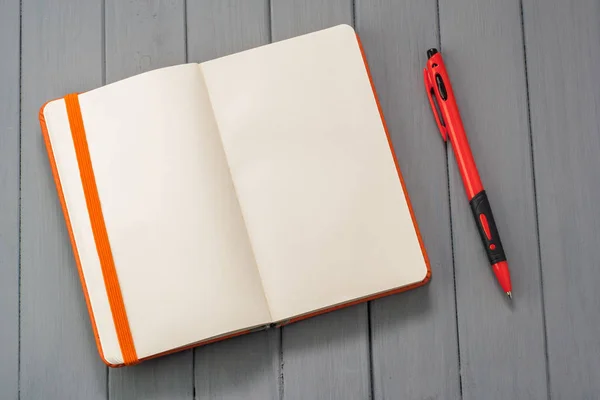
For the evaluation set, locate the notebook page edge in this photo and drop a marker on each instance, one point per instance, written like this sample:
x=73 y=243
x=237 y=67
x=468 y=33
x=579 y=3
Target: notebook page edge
x=288 y=319
x=277 y=43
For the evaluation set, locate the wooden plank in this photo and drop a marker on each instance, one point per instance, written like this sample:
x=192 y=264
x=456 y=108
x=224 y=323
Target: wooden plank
x=296 y=17
x=246 y=367
x=141 y=36
x=9 y=198
x=326 y=356
x=411 y=329
x=61 y=53
x=168 y=377
x=501 y=342
x=219 y=28
x=563 y=54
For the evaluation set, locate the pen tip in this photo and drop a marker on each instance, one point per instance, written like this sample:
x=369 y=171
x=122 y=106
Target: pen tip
x=509 y=294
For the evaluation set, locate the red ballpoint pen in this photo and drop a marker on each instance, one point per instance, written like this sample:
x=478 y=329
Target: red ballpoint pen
x=447 y=117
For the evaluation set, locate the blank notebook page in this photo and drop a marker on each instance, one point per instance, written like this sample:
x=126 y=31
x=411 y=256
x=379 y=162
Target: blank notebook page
x=313 y=171
x=179 y=242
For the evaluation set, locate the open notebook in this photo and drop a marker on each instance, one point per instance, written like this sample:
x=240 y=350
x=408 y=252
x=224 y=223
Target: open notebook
x=208 y=200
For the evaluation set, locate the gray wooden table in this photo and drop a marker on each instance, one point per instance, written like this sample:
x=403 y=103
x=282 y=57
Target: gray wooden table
x=526 y=76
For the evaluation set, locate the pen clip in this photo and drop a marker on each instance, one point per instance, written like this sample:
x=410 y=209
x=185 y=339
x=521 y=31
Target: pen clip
x=429 y=88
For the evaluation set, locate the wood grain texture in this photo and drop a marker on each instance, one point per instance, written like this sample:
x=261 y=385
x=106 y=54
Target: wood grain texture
x=246 y=367
x=325 y=357
x=563 y=54
x=217 y=28
x=296 y=17
x=165 y=378
x=141 y=36
x=414 y=345
x=9 y=198
x=501 y=342
x=61 y=53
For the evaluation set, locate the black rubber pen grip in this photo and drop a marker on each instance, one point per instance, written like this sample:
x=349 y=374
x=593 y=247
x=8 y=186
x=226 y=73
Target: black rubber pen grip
x=487 y=227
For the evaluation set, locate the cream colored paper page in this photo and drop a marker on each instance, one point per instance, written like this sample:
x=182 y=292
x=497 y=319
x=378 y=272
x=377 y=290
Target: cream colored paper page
x=313 y=171
x=184 y=262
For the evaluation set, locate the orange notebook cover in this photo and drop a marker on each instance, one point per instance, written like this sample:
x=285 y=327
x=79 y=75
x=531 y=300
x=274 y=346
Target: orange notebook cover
x=205 y=201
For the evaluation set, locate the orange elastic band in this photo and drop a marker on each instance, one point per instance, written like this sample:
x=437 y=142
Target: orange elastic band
x=90 y=190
